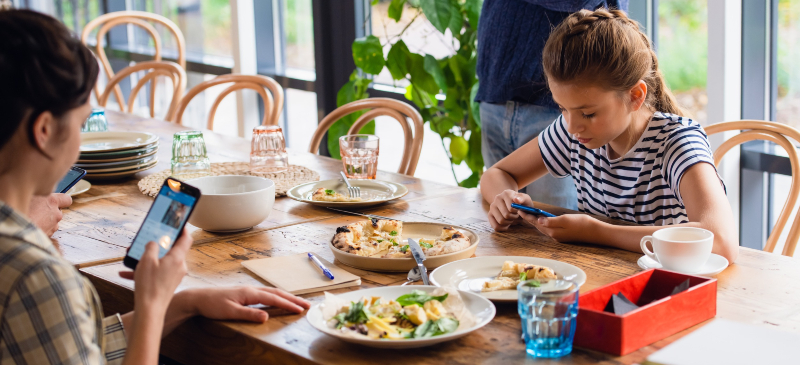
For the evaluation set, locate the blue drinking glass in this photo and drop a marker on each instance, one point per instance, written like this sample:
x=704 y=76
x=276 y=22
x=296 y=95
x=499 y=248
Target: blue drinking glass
x=97 y=121
x=548 y=309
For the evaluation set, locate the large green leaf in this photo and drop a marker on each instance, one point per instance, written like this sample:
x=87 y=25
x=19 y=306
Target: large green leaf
x=368 y=54
x=472 y=181
x=419 y=77
x=474 y=157
x=474 y=106
x=432 y=66
x=456 y=20
x=438 y=12
x=396 y=9
x=420 y=98
x=473 y=8
x=397 y=60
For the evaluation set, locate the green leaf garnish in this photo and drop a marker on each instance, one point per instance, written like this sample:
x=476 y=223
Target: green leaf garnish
x=534 y=283
x=393 y=233
x=394 y=243
x=523 y=276
x=425 y=244
x=356 y=314
x=418 y=297
x=446 y=325
x=380 y=240
x=329 y=192
x=404 y=249
x=340 y=317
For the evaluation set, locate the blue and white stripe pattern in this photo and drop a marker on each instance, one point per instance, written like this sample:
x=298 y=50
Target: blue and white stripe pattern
x=643 y=186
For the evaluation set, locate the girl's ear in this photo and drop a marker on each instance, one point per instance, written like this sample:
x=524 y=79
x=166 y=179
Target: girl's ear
x=637 y=95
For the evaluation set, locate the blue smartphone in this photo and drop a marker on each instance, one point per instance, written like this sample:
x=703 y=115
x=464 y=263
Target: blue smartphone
x=165 y=220
x=74 y=175
x=531 y=210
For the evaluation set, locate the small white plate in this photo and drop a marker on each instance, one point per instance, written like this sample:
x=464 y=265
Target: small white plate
x=713 y=266
x=115 y=141
x=470 y=274
x=373 y=192
x=79 y=188
x=481 y=308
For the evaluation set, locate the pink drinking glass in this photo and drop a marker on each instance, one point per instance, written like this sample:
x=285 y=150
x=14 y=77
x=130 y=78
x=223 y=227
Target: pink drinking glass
x=268 y=150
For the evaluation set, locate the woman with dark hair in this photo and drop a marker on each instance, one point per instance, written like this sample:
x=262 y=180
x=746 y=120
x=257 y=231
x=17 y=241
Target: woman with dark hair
x=50 y=313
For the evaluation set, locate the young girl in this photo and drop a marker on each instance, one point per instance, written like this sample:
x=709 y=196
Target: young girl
x=620 y=137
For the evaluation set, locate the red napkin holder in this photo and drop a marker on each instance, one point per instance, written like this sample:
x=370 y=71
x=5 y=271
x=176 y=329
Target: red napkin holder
x=620 y=335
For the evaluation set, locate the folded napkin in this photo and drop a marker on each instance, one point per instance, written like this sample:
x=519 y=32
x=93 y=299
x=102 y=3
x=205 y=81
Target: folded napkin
x=296 y=274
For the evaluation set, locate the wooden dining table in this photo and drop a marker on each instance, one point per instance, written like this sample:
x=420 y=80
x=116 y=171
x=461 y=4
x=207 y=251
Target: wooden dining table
x=760 y=288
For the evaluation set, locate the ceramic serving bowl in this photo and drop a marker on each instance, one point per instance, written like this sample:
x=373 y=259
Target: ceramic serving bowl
x=231 y=203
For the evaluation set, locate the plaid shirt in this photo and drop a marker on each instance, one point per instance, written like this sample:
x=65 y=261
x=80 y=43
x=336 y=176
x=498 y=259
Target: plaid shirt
x=49 y=312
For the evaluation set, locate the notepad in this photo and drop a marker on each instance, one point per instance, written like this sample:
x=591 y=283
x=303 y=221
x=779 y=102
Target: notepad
x=296 y=274
x=731 y=343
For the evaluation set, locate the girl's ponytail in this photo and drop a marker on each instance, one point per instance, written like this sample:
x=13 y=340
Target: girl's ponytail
x=606 y=48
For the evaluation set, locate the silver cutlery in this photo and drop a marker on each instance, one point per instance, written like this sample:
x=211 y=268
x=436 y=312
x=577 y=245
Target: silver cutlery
x=413 y=276
x=419 y=257
x=353 y=191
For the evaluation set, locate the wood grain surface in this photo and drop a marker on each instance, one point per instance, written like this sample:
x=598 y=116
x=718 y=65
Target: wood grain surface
x=760 y=288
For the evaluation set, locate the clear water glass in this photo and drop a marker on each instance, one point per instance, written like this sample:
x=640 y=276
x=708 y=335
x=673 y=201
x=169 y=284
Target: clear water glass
x=268 y=150
x=189 y=156
x=359 y=155
x=548 y=313
x=96 y=122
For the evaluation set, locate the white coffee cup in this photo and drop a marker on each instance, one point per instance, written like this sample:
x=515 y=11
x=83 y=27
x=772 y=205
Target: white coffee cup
x=682 y=249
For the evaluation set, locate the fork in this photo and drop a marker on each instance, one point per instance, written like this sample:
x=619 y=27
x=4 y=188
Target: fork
x=353 y=191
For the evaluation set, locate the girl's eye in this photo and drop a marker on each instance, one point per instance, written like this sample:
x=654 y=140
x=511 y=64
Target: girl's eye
x=588 y=116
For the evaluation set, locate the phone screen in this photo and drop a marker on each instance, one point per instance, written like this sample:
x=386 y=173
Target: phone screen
x=68 y=180
x=164 y=222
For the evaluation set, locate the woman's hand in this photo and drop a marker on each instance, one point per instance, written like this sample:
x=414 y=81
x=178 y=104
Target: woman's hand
x=501 y=214
x=156 y=279
x=45 y=211
x=567 y=227
x=233 y=303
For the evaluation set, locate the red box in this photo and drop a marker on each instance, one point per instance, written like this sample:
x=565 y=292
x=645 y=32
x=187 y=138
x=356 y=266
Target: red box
x=620 y=335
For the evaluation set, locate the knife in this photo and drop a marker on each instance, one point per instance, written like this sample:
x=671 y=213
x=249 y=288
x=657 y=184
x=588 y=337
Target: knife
x=362 y=214
x=419 y=256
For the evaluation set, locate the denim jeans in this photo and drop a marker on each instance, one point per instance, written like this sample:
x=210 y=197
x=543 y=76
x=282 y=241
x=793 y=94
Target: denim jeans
x=506 y=127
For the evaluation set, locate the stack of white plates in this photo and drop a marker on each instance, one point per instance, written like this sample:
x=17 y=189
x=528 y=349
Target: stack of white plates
x=111 y=155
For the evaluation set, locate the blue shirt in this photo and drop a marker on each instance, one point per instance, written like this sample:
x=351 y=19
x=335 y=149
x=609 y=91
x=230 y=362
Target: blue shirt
x=511 y=38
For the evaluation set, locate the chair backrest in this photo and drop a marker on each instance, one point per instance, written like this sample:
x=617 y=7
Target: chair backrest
x=777 y=133
x=140 y=18
x=396 y=109
x=170 y=70
x=271 y=92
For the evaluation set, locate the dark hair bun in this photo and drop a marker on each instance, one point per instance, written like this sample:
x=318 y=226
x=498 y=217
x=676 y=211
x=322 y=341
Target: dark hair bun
x=42 y=68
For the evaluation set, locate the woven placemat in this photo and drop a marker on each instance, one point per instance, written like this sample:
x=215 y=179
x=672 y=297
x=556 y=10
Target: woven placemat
x=284 y=181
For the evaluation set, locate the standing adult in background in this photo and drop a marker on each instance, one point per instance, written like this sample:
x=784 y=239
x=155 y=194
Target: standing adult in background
x=515 y=102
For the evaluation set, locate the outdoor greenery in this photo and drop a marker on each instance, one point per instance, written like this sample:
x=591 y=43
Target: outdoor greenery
x=456 y=119
x=683 y=43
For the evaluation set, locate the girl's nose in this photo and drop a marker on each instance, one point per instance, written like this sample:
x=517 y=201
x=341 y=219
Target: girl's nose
x=573 y=125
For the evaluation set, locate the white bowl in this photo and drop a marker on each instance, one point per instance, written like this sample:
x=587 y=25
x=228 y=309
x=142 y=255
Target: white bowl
x=480 y=307
x=231 y=203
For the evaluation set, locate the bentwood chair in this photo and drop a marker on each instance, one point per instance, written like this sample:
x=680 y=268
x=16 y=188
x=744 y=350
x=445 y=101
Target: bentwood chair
x=170 y=70
x=141 y=19
x=779 y=134
x=398 y=110
x=271 y=93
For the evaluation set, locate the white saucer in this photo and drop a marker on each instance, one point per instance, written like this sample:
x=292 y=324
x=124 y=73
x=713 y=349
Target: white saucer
x=79 y=188
x=713 y=266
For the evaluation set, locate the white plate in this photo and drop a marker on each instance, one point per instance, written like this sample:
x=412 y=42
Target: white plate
x=115 y=141
x=130 y=165
x=713 y=266
x=418 y=230
x=481 y=308
x=129 y=162
x=94 y=162
x=120 y=174
x=373 y=192
x=79 y=188
x=470 y=274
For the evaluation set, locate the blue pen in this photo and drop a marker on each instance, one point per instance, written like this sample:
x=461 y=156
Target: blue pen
x=320 y=266
x=531 y=210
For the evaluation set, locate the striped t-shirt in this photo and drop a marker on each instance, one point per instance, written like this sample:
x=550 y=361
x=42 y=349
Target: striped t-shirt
x=643 y=186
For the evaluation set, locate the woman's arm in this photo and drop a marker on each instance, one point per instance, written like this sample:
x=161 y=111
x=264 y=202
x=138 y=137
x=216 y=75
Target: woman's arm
x=501 y=182
x=706 y=206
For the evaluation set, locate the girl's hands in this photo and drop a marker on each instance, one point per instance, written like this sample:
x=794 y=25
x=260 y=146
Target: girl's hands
x=232 y=303
x=501 y=214
x=156 y=279
x=567 y=227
